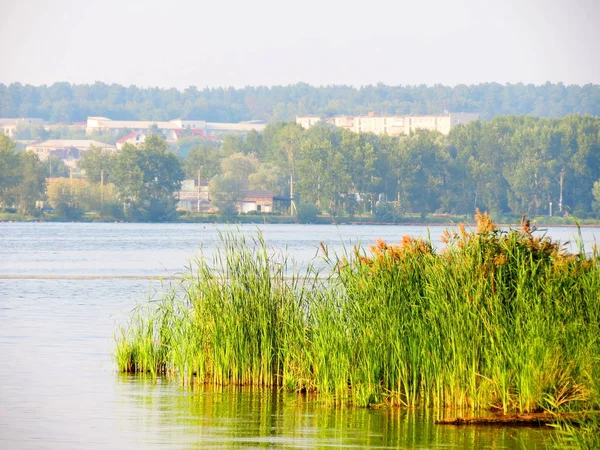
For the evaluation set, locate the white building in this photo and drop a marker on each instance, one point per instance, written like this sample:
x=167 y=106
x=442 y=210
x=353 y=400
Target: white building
x=392 y=125
x=9 y=126
x=209 y=128
x=134 y=138
x=68 y=150
x=256 y=200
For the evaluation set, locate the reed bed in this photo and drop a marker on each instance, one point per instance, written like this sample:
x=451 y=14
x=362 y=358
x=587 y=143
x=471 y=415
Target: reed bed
x=502 y=320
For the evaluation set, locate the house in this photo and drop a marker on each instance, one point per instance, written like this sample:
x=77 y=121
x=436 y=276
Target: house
x=68 y=150
x=255 y=200
x=134 y=138
x=194 y=197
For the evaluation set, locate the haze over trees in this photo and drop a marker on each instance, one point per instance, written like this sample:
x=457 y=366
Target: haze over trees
x=65 y=102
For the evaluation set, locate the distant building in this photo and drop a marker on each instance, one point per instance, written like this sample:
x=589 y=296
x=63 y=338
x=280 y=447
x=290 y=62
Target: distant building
x=62 y=127
x=68 y=150
x=171 y=136
x=95 y=124
x=256 y=200
x=309 y=121
x=392 y=125
x=193 y=197
x=134 y=138
x=9 y=126
x=178 y=134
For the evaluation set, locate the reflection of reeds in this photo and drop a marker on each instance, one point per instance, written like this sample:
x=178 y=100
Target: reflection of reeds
x=499 y=319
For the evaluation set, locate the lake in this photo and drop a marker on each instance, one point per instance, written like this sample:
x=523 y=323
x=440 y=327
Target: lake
x=65 y=286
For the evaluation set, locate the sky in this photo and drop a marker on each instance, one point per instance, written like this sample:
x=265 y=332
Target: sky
x=268 y=42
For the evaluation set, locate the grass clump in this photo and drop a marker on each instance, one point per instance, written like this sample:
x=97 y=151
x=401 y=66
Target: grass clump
x=502 y=320
x=238 y=319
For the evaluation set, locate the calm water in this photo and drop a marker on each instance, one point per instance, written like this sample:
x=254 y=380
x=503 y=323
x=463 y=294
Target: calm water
x=63 y=287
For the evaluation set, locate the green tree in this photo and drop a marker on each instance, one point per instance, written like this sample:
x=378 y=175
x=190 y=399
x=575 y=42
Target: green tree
x=225 y=191
x=102 y=199
x=596 y=195
x=422 y=172
x=282 y=142
x=360 y=162
x=32 y=187
x=22 y=178
x=307 y=213
x=66 y=197
x=478 y=180
x=204 y=160
x=268 y=177
x=232 y=144
x=528 y=170
x=253 y=143
x=323 y=170
x=96 y=164
x=581 y=141
x=10 y=170
x=387 y=212
x=56 y=167
x=146 y=179
x=240 y=166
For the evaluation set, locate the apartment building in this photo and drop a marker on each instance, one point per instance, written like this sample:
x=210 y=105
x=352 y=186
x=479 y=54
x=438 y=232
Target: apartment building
x=392 y=125
x=208 y=128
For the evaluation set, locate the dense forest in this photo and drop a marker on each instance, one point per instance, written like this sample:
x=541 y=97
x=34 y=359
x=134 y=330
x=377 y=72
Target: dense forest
x=65 y=102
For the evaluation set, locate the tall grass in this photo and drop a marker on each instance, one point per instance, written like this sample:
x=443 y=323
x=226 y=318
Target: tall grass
x=503 y=320
x=238 y=319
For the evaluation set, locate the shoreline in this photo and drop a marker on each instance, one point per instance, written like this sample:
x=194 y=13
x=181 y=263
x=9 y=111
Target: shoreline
x=321 y=221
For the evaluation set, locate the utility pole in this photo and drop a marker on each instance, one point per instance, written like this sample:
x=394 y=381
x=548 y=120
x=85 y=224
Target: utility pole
x=292 y=204
x=70 y=186
x=101 y=190
x=198 y=205
x=561 y=180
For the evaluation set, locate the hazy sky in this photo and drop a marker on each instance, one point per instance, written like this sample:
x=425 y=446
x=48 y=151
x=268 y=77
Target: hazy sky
x=266 y=42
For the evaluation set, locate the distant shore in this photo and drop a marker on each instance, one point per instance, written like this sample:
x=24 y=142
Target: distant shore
x=433 y=220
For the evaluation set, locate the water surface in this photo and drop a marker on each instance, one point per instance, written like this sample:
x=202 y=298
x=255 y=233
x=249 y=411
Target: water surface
x=65 y=287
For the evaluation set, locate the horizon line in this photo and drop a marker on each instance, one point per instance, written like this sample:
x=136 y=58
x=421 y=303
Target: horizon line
x=303 y=83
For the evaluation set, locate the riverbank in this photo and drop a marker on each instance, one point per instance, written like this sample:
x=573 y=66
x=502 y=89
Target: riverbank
x=409 y=220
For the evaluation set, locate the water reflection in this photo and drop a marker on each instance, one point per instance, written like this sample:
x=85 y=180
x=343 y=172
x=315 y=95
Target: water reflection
x=267 y=418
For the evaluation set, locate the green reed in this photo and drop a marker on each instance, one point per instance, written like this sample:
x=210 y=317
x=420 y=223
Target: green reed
x=503 y=320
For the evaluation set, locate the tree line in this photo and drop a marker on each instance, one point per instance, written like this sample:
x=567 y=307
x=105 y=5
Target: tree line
x=138 y=184
x=65 y=102
x=509 y=165
x=22 y=179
